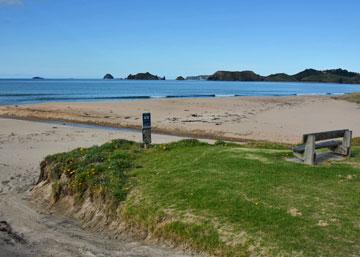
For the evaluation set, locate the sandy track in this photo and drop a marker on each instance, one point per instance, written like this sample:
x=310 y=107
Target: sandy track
x=279 y=119
x=26 y=229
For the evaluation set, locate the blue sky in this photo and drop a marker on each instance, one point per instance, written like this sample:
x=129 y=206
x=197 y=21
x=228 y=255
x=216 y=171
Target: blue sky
x=88 y=38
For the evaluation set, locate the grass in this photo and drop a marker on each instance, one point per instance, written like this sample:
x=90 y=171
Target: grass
x=356 y=141
x=354 y=97
x=224 y=199
x=97 y=170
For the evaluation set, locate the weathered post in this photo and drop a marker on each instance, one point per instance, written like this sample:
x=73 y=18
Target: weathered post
x=347 y=142
x=146 y=129
x=309 y=154
x=345 y=147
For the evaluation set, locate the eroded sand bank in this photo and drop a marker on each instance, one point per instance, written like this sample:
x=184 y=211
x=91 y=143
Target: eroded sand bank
x=26 y=229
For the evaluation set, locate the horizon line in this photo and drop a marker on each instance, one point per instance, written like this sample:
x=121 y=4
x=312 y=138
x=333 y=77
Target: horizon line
x=170 y=77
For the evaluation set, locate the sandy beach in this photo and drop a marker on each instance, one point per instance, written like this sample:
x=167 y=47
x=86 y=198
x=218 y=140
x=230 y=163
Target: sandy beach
x=277 y=119
x=26 y=229
x=24 y=144
x=29 y=230
x=179 y=128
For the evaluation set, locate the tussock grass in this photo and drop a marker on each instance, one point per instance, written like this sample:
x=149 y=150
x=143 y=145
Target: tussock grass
x=354 y=97
x=356 y=141
x=224 y=199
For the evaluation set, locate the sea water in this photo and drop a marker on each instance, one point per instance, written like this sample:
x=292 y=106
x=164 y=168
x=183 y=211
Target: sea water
x=21 y=91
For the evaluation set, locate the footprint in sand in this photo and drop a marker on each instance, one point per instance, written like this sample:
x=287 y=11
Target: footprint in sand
x=9 y=236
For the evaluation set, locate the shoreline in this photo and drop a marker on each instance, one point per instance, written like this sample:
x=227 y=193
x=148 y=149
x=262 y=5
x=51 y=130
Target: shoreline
x=111 y=126
x=274 y=119
x=112 y=99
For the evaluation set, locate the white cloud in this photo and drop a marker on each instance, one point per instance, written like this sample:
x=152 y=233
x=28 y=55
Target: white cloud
x=11 y=2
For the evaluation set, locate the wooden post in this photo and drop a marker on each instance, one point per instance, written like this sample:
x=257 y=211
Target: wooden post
x=347 y=142
x=309 y=154
x=146 y=129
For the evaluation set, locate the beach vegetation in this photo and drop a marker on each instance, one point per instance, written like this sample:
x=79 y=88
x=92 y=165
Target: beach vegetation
x=354 y=97
x=223 y=199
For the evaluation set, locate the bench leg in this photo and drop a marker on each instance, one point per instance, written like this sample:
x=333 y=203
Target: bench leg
x=309 y=154
x=347 y=142
x=345 y=147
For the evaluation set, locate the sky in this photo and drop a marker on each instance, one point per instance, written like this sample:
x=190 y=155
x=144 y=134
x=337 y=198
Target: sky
x=88 y=38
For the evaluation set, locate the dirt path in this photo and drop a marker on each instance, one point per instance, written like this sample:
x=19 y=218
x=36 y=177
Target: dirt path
x=25 y=229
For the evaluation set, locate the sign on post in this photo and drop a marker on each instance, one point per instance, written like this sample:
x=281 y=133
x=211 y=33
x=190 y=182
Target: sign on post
x=146 y=129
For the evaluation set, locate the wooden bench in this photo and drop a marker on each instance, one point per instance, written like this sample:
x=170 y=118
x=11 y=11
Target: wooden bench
x=306 y=152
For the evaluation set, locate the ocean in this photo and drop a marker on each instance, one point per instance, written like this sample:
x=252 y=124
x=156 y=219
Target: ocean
x=21 y=91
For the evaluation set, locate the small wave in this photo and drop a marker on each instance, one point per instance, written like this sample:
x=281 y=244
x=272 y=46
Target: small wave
x=190 y=96
x=158 y=96
x=310 y=94
x=231 y=95
x=89 y=98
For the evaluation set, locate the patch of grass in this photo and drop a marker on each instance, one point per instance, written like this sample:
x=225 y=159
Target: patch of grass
x=267 y=145
x=256 y=144
x=354 y=97
x=100 y=169
x=356 y=141
x=225 y=199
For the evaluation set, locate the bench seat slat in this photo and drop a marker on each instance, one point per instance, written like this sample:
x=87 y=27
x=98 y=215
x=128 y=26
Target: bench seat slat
x=326 y=135
x=327 y=144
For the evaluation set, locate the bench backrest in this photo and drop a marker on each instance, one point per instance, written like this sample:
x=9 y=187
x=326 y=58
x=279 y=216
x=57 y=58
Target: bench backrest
x=326 y=135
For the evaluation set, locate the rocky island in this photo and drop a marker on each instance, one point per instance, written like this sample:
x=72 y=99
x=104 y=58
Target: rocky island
x=309 y=75
x=108 y=77
x=37 y=78
x=180 y=78
x=144 y=76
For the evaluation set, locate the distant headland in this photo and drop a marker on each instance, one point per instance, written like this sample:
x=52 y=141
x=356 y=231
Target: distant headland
x=309 y=75
x=341 y=76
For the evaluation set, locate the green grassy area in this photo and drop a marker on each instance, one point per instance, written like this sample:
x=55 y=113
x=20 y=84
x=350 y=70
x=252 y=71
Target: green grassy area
x=224 y=199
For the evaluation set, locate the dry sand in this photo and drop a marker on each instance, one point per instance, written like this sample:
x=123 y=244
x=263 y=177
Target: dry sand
x=279 y=119
x=27 y=230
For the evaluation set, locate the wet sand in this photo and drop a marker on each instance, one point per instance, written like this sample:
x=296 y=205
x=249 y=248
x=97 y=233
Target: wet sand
x=276 y=119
